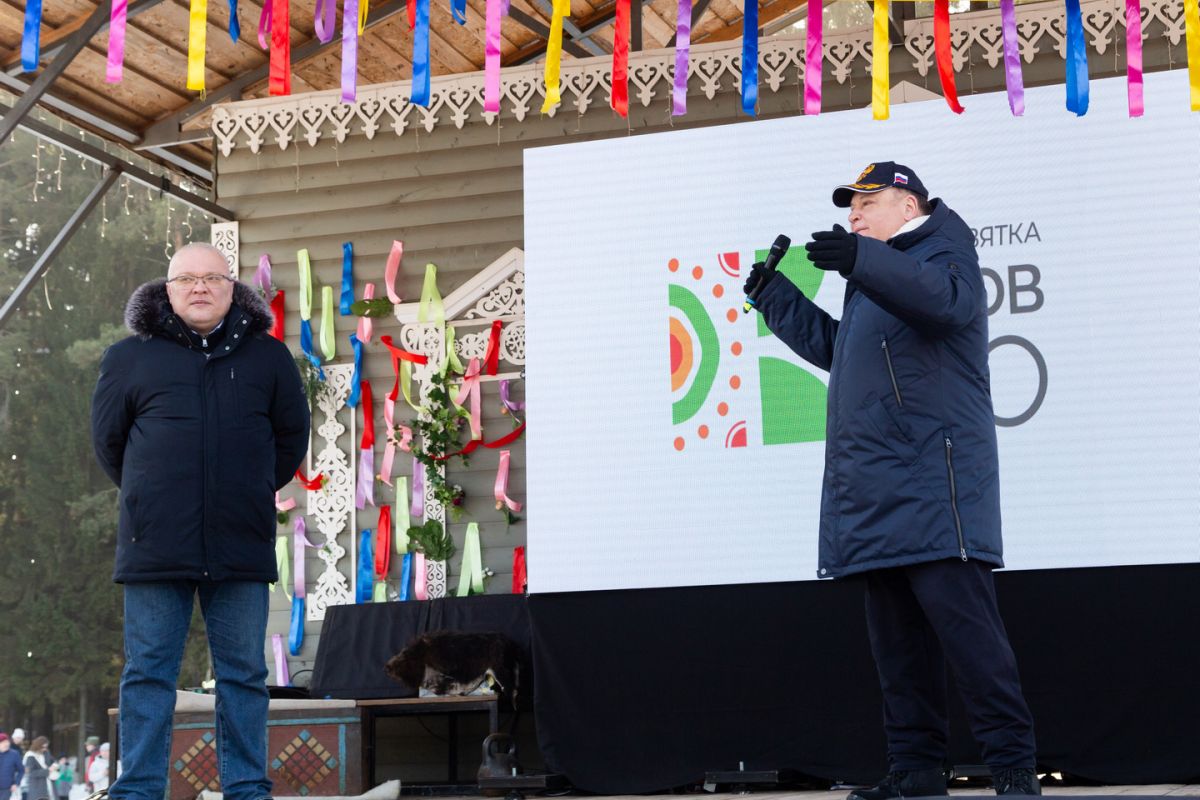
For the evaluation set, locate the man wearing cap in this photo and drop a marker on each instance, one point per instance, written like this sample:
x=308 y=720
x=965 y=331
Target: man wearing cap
x=911 y=493
x=11 y=767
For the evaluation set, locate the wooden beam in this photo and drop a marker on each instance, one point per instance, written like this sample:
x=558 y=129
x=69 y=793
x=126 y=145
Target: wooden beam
x=54 y=41
x=766 y=15
x=526 y=21
x=697 y=12
x=534 y=50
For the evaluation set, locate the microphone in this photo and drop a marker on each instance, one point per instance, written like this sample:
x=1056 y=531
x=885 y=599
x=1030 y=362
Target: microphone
x=782 y=243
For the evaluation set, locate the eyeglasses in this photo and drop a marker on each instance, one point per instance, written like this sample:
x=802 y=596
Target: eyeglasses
x=211 y=280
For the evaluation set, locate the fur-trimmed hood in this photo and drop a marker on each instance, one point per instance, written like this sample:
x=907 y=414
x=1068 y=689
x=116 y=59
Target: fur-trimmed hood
x=149 y=305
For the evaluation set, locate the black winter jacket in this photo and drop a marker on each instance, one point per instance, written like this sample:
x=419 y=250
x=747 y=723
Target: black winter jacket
x=197 y=443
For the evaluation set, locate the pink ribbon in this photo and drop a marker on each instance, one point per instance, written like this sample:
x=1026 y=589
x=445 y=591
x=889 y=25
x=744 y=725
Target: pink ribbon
x=284 y=505
x=501 y=493
x=470 y=388
x=683 y=44
x=1133 y=49
x=264 y=26
x=299 y=542
x=1013 y=80
x=262 y=275
x=814 y=59
x=491 y=59
x=419 y=591
x=510 y=405
x=116 y=41
x=418 y=490
x=390 y=271
x=366 y=328
x=349 y=50
x=281 y=670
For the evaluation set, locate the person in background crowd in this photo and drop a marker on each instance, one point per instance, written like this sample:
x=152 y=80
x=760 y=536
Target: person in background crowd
x=91 y=748
x=97 y=774
x=37 y=770
x=64 y=779
x=18 y=743
x=11 y=768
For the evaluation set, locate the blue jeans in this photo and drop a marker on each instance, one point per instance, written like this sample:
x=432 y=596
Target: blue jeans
x=157 y=616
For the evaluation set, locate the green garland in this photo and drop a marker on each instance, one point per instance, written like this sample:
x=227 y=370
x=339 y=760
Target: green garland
x=314 y=385
x=437 y=436
x=433 y=540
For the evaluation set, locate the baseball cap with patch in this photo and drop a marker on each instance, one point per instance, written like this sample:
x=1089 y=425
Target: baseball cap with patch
x=877 y=177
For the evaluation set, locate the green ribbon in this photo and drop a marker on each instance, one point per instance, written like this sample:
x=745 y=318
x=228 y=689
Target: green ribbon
x=281 y=564
x=305 y=268
x=451 y=360
x=471 y=580
x=431 y=308
x=380 y=594
x=328 y=338
x=400 y=515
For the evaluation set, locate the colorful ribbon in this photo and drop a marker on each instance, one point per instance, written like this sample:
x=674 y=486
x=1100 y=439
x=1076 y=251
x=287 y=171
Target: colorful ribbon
x=458 y=9
x=492 y=357
x=389 y=452
x=469 y=390
x=299 y=542
x=553 y=71
x=400 y=359
x=116 y=41
x=328 y=338
x=519 y=578
x=941 y=46
x=420 y=59
x=683 y=46
x=366 y=328
x=280 y=73
x=350 y=31
x=296 y=628
x=356 y=378
x=235 y=27
x=197 y=39
x=402 y=520
x=1077 y=67
x=324 y=18
x=364 y=9
x=814 y=57
x=380 y=593
x=1191 y=16
x=391 y=270
x=750 y=57
x=281 y=670
x=365 y=491
x=366 y=568
x=501 y=489
x=347 y=296
x=879 y=62
x=418 y=490
x=419 y=590
x=31 y=38
x=281 y=566
x=510 y=406
x=405 y=575
x=491 y=58
x=311 y=484
x=1013 y=80
x=474 y=444
x=304 y=268
x=620 y=60
x=383 y=547
x=431 y=308
x=470 y=580
x=1133 y=59
x=264 y=25
x=451 y=362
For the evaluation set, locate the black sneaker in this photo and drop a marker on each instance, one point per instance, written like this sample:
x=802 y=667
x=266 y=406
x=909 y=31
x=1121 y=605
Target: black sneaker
x=914 y=783
x=1016 y=781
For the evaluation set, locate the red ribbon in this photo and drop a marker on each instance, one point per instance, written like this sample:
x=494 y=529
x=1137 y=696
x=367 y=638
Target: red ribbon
x=412 y=14
x=398 y=355
x=508 y=438
x=277 y=312
x=315 y=483
x=281 y=49
x=941 y=45
x=620 y=64
x=383 y=546
x=491 y=361
x=368 y=434
x=518 y=573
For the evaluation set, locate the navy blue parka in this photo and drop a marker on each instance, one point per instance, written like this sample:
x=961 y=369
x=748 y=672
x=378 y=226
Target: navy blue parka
x=198 y=443
x=911 y=465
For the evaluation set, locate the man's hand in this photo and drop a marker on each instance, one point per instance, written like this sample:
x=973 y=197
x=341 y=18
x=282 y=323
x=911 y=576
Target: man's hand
x=833 y=250
x=758 y=275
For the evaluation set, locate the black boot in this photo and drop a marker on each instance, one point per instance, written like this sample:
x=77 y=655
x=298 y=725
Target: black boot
x=915 y=783
x=1016 y=781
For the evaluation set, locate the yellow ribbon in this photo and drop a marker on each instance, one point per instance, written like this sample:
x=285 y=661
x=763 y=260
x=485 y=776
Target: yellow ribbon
x=328 y=339
x=362 y=15
x=879 y=62
x=400 y=515
x=305 y=282
x=562 y=8
x=1191 y=13
x=197 y=28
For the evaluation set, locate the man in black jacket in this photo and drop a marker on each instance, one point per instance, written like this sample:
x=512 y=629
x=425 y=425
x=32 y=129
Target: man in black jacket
x=199 y=418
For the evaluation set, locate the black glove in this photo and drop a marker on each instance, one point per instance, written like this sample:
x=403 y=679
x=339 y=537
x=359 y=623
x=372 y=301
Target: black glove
x=833 y=250
x=758 y=275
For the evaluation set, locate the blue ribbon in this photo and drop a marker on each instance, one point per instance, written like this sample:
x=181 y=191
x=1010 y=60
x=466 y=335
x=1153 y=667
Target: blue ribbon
x=235 y=28
x=750 y=57
x=31 y=40
x=459 y=9
x=347 y=278
x=306 y=346
x=366 y=567
x=296 y=633
x=355 y=386
x=420 y=80
x=405 y=575
x=1077 y=66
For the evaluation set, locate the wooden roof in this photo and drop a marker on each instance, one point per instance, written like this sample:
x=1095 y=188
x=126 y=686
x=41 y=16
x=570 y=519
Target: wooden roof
x=152 y=111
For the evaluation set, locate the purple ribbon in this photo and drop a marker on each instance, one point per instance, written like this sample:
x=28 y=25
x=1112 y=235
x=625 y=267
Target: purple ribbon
x=116 y=41
x=365 y=492
x=813 y=59
x=349 y=51
x=418 y=490
x=1133 y=48
x=683 y=45
x=512 y=406
x=281 y=670
x=491 y=69
x=1012 y=59
x=299 y=542
x=324 y=20
x=264 y=26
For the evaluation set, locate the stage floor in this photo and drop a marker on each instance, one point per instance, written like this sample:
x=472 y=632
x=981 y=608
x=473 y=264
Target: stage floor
x=1156 y=790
